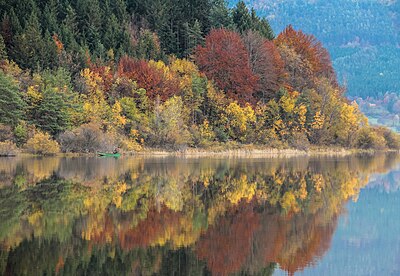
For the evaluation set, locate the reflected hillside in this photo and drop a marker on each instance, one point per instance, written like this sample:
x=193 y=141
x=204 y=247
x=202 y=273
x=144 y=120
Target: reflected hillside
x=180 y=216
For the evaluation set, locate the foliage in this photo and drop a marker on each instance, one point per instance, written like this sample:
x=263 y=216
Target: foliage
x=304 y=56
x=21 y=133
x=8 y=148
x=11 y=104
x=224 y=59
x=5 y=133
x=42 y=143
x=238 y=121
x=361 y=36
x=266 y=63
x=153 y=79
x=87 y=138
x=370 y=138
x=168 y=125
x=176 y=74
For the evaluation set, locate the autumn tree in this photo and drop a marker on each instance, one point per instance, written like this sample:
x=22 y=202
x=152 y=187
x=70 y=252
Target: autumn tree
x=224 y=59
x=305 y=58
x=148 y=77
x=168 y=125
x=266 y=64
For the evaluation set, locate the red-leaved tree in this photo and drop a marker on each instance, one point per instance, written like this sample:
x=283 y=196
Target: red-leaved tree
x=225 y=60
x=266 y=63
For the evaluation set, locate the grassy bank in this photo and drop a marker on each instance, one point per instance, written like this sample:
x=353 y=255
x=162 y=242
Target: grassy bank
x=248 y=151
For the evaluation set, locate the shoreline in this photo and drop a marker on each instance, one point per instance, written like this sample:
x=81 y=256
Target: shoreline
x=249 y=152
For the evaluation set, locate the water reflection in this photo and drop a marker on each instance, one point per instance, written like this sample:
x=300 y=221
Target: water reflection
x=174 y=216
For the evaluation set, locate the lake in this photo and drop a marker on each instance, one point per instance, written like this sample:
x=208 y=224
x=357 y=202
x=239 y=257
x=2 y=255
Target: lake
x=200 y=216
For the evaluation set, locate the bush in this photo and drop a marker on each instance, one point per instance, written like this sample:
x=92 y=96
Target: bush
x=41 y=143
x=8 y=148
x=202 y=135
x=370 y=138
x=299 y=141
x=21 y=133
x=5 y=133
x=392 y=139
x=87 y=138
x=129 y=145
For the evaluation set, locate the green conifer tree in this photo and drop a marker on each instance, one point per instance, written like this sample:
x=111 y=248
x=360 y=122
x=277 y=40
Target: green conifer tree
x=11 y=104
x=29 y=44
x=3 y=51
x=220 y=15
x=241 y=17
x=51 y=115
x=193 y=35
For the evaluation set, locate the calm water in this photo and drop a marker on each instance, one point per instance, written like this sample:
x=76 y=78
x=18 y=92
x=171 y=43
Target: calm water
x=208 y=216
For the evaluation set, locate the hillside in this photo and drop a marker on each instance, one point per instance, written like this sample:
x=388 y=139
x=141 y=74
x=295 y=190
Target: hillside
x=96 y=75
x=362 y=36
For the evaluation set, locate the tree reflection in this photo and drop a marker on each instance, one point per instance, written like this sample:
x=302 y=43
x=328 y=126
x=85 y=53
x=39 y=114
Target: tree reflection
x=174 y=216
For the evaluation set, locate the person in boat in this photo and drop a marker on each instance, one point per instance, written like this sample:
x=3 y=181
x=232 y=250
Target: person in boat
x=115 y=151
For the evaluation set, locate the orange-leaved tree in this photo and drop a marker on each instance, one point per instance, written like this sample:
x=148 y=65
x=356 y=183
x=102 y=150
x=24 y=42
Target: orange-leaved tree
x=304 y=56
x=149 y=77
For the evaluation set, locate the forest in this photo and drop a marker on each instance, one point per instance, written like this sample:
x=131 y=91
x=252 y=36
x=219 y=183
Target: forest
x=94 y=75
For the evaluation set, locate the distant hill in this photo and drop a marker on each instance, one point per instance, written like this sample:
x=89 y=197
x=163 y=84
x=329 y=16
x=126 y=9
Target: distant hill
x=363 y=37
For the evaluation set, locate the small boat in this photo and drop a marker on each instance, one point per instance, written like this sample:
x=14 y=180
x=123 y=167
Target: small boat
x=108 y=154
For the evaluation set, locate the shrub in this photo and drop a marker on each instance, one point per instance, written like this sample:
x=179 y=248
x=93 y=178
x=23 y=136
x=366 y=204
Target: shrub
x=392 y=139
x=87 y=138
x=21 y=133
x=8 y=148
x=41 y=143
x=129 y=145
x=370 y=138
x=5 y=133
x=299 y=141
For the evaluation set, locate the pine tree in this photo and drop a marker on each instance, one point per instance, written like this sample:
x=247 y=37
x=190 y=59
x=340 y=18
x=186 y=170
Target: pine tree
x=51 y=115
x=69 y=29
x=48 y=53
x=148 y=46
x=264 y=28
x=15 y=22
x=50 y=17
x=220 y=16
x=261 y=26
x=6 y=30
x=11 y=104
x=3 y=51
x=111 y=33
x=29 y=44
x=90 y=21
x=193 y=35
x=241 y=17
x=120 y=10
